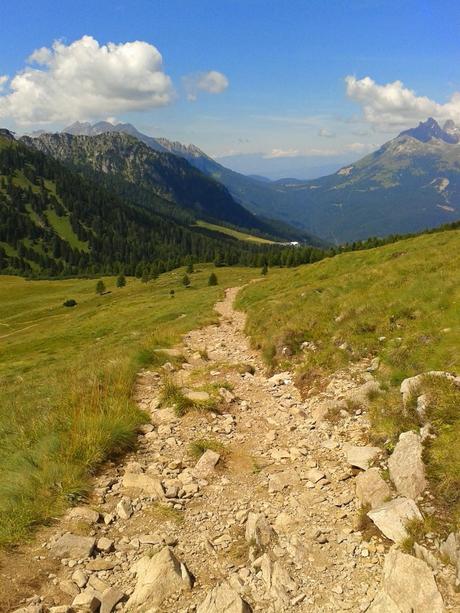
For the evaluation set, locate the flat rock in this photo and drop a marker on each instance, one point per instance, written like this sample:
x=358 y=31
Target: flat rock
x=412 y=385
x=391 y=517
x=277 y=482
x=149 y=485
x=224 y=599
x=84 y=514
x=406 y=467
x=197 y=396
x=73 y=546
x=408 y=586
x=360 y=456
x=371 y=489
x=206 y=464
x=159 y=577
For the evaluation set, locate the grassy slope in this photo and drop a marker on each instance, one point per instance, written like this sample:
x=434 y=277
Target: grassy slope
x=242 y=236
x=66 y=376
x=407 y=292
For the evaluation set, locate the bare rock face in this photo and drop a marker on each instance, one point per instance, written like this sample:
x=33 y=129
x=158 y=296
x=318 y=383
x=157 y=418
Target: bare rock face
x=392 y=517
x=361 y=457
x=206 y=464
x=371 y=489
x=408 y=587
x=73 y=546
x=158 y=578
x=406 y=467
x=224 y=599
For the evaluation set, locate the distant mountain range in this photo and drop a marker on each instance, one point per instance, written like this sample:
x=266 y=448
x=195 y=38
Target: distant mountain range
x=411 y=183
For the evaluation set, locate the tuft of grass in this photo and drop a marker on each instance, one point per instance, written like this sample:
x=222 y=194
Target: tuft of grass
x=199 y=446
x=172 y=395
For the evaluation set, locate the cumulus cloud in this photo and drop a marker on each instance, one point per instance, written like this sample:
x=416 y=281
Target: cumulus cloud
x=394 y=105
x=86 y=80
x=212 y=82
x=3 y=81
x=281 y=153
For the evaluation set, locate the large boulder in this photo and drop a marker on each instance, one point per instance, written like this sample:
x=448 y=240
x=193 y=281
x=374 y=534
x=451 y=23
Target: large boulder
x=223 y=599
x=371 y=489
x=73 y=546
x=408 y=586
x=406 y=467
x=158 y=577
x=391 y=517
x=360 y=456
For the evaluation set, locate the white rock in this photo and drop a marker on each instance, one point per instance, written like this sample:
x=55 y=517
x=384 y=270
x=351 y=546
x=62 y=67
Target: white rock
x=391 y=517
x=206 y=464
x=197 y=396
x=73 y=546
x=360 y=457
x=408 y=586
x=277 y=482
x=158 y=577
x=147 y=484
x=412 y=385
x=371 y=489
x=406 y=467
x=84 y=514
x=223 y=599
x=124 y=508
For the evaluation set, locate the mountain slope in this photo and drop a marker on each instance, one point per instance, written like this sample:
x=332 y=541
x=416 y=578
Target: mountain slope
x=54 y=221
x=409 y=184
x=136 y=170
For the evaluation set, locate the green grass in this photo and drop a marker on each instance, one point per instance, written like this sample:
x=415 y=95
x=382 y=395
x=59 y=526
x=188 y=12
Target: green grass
x=407 y=292
x=66 y=377
x=64 y=230
x=400 y=302
x=199 y=446
x=242 y=236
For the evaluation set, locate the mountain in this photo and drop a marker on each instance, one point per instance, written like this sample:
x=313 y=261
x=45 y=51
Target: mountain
x=55 y=221
x=410 y=183
x=139 y=171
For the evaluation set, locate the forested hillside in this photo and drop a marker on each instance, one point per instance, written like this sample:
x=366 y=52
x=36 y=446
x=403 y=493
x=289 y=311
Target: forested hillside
x=54 y=221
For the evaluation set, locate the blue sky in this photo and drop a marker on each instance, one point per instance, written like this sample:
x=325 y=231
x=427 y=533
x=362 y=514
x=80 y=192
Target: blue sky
x=277 y=96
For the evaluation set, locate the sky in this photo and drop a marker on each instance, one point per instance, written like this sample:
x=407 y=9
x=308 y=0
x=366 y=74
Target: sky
x=271 y=87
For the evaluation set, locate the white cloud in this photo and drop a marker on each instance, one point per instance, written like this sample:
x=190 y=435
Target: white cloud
x=212 y=82
x=325 y=133
x=3 y=81
x=281 y=153
x=393 y=104
x=86 y=80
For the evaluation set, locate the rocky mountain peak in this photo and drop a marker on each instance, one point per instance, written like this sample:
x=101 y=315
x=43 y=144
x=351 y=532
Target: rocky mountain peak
x=4 y=133
x=426 y=130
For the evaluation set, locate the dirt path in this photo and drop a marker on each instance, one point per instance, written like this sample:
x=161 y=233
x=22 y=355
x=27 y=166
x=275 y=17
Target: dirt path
x=274 y=521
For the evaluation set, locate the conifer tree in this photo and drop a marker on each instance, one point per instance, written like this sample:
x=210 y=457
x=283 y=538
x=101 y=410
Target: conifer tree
x=264 y=270
x=186 y=280
x=100 y=287
x=121 y=280
x=212 y=279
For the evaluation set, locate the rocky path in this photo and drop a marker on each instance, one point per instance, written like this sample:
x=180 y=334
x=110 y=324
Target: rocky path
x=266 y=520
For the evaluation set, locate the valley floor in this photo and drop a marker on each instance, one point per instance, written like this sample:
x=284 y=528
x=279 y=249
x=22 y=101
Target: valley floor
x=266 y=520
